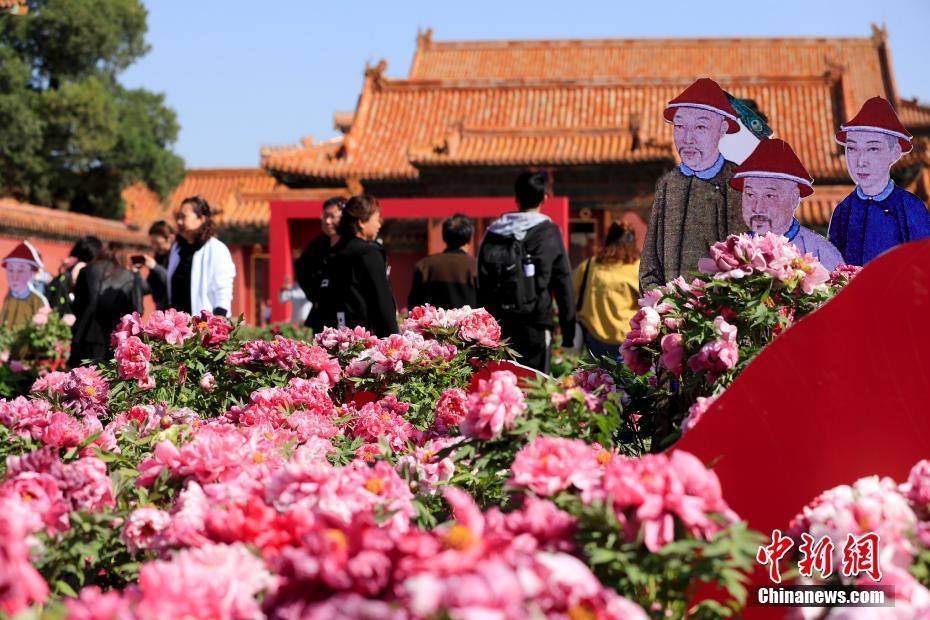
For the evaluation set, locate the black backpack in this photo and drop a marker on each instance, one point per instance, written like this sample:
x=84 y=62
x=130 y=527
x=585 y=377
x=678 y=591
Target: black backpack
x=508 y=274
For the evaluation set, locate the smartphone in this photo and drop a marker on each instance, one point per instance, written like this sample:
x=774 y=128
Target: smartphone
x=137 y=259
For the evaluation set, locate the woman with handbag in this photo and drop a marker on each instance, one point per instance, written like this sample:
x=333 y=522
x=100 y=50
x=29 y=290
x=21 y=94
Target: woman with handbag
x=607 y=291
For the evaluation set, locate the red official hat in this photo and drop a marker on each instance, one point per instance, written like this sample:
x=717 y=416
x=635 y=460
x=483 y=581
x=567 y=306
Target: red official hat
x=704 y=94
x=877 y=115
x=24 y=253
x=774 y=159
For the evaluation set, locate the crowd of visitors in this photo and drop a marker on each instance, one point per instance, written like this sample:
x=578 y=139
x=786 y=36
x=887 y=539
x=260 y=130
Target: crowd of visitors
x=520 y=270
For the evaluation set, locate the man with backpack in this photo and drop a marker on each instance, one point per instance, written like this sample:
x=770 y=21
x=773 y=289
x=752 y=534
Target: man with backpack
x=522 y=265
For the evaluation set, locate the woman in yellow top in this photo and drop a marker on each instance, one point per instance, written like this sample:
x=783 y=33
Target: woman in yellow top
x=607 y=290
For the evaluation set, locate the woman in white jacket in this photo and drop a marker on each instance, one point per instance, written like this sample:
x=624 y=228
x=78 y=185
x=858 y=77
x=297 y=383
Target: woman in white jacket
x=201 y=271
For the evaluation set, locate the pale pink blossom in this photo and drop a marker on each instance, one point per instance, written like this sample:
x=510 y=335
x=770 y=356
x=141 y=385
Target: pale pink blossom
x=673 y=353
x=548 y=465
x=171 y=326
x=494 y=406
x=145 y=528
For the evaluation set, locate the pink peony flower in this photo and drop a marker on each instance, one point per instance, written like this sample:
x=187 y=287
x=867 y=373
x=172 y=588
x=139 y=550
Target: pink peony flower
x=20 y=584
x=213 y=329
x=428 y=468
x=94 y=604
x=548 y=465
x=479 y=326
x=451 y=408
x=696 y=412
x=494 y=407
x=673 y=353
x=40 y=318
x=593 y=385
x=652 y=492
x=345 y=339
x=214 y=581
x=145 y=529
x=39 y=492
x=85 y=391
x=644 y=326
x=129 y=325
x=170 y=326
x=25 y=417
x=917 y=488
x=715 y=358
x=133 y=358
x=207 y=382
x=86 y=485
x=63 y=431
x=871 y=504
x=383 y=420
x=633 y=359
x=843 y=275
x=69 y=319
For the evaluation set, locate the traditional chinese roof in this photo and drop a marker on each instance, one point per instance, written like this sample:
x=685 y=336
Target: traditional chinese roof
x=915 y=116
x=589 y=101
x=242 y=196
x=403 y=125
x=32 y=220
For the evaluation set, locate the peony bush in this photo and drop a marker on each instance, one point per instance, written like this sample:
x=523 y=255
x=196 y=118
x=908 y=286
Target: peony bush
x=34 y=350
x=199 y=475
x=692 y=337
x=208 y=473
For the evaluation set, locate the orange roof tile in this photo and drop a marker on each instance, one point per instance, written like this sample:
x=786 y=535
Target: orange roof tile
x=143 y=206
x=242 y=195
x=53 y=223
x=399 y=121
x=916 y=117
x=684 y=60
x=817 y=210
x=536 y=147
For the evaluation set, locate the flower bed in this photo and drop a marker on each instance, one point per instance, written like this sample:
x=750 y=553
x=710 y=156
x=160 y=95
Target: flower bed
x=202 y=475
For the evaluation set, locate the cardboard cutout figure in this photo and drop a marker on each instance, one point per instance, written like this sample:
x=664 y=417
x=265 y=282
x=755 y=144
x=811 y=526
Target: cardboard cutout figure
x=694 y=205
x=773 y=181
x=878 y=215
x=22 y=301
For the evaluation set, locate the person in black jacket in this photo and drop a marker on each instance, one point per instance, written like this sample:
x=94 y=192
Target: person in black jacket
x=522 y=265
x=354 y=290
x=161 y=237
x=105 y=291
x=447 y=280
x=309 y=268
x=60 y=292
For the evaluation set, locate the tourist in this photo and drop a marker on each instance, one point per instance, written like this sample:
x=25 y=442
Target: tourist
x=447 y=279
x=22 y=300
x=104 y=292
x=878 y=215
x=200 y=268
x=607 y=290
x=354 y=288
x=309 y=268
x=161 y=238
x=773 y=181
x=694 y=206
x=61 y=288
x=522 y=264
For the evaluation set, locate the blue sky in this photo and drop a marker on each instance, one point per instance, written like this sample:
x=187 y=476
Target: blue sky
x=241 y=74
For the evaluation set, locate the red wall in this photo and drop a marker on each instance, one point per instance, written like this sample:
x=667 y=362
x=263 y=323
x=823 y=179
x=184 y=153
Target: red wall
x=286 y=213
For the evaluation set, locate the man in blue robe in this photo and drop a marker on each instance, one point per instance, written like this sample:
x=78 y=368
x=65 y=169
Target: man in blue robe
x=879 y=215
